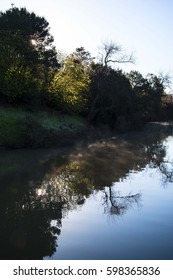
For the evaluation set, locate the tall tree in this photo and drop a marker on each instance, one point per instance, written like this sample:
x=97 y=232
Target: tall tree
x=70 y=85
x=34 y=30
x=27 y=47
x=111 y=96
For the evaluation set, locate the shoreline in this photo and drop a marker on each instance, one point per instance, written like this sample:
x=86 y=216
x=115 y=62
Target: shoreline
x=21 y=129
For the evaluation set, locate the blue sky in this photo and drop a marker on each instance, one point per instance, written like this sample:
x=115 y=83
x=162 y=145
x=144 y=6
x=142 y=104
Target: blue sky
x=141 y=26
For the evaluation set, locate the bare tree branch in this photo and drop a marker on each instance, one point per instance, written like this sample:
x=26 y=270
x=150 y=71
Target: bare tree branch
x=114 y=53
x=166 y=79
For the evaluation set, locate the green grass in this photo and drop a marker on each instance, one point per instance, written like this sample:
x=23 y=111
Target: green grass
x=10 y=130
x=20 y=128
x=61 y=122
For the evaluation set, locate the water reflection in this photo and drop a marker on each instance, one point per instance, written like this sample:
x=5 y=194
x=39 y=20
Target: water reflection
x=39 y=188
x=116 y=204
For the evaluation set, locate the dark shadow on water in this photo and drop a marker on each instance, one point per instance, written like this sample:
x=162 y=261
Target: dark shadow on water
x=38 y=188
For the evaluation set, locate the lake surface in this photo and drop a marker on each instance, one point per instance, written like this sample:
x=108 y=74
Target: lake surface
x=109 y=199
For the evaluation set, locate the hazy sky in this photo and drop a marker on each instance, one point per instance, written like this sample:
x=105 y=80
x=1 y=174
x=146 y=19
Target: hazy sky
x=142 y=26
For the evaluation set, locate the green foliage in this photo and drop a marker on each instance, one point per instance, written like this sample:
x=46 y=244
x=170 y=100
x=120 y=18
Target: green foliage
x=30 y=75
x=19 y=84
x=70 y=85
x=34 y=30
x=27 y=55
x=148 y=94
x=111 y=96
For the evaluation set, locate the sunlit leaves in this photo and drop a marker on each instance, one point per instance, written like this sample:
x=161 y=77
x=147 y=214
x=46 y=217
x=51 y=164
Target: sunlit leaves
x=17 y=83
x=71 y=85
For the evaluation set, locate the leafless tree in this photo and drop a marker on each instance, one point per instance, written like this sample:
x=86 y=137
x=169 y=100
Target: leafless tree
x=165 y=79
x=111 y=52
x=115 y=204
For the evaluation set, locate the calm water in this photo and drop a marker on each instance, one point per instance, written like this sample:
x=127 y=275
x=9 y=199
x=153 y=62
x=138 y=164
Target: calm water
x=110 y=199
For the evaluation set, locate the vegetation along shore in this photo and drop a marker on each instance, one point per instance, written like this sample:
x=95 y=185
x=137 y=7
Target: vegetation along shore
x=51 y=99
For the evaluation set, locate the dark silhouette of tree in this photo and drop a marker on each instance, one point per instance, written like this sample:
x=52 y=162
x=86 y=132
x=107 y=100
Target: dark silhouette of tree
x=149 y=92
x=83 y=56
x=140 y=87
x=34 y=30
x=28 y=56
x=111 y=97
x=113 y=53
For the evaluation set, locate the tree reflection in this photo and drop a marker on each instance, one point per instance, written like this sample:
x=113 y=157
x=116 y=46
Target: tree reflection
x=27 y=231
x=166 y=169
x=116 y=204
x=34 y=200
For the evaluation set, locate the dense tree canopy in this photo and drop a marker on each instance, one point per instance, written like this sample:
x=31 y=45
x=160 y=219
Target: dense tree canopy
x=111 y=96
x=30 y=72
x=27 y=54
x=34 y=31
x=70 y=84
x=149 y=92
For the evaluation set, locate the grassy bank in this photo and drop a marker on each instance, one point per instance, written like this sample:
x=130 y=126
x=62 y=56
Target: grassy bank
x=20 y=128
